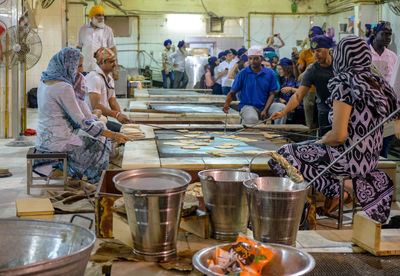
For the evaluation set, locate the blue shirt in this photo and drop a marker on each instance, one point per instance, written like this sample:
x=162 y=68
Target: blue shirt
x=255 y=88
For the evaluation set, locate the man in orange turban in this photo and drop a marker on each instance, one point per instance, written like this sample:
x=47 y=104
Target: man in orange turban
x=93 y=36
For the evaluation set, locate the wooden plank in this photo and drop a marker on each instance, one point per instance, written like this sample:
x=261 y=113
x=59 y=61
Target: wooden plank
x=366 y=232
x=197 y=225
x=34 y=207
x=121 y=230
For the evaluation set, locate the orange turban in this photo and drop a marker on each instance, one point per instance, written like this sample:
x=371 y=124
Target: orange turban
x=95 y=10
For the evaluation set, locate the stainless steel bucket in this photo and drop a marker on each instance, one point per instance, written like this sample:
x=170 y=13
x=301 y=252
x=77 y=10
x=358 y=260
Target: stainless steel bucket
x=276 y=205
x=45 y=248
x=153 y=201
x=225 y=200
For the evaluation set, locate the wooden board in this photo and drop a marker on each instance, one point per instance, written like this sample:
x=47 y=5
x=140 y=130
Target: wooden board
x=34 y=207
x=369 y=235
x=121 y=231
x=196 y=224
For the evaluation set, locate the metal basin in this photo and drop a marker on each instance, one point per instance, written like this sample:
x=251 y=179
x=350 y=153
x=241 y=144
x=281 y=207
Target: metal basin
x=287 y=261
x=38 y=247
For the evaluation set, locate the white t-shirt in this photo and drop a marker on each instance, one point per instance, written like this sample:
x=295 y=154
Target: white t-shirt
x=96 y=84
x=90 y=40
x=224 y=79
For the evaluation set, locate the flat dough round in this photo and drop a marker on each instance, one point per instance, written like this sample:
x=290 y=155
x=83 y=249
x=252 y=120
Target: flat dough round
x=197 y=132
x=223 y=147
x=253 y=151
x=216 y=153
x=230 y=144
x=187 y=141
x=174 y=144
x=228 y=136
x=202 y=144
x=217 y=132
x=204 y=137
x=190 y=147
x=182 y=130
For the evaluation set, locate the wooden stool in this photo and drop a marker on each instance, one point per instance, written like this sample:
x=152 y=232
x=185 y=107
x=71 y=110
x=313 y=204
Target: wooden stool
x=341 y=211
x=33 y=155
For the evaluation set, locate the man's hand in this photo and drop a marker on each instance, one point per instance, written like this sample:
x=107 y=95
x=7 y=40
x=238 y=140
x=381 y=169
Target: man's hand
x=226 y=71
x=121 y=138
x=115 y=75
x=278 y=35
x=277 y=115
x=226 y=108
x=97 y=112
x=295 y=57
x=166 y=72
x=123 y=119
x=286 y=89
x=263 y=114
x=175 y=65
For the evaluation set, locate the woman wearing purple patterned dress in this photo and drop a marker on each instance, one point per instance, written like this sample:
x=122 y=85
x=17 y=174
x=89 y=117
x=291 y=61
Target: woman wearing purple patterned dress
x=359 y=101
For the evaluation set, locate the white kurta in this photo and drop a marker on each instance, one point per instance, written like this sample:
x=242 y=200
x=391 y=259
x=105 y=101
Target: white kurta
x=90 y=40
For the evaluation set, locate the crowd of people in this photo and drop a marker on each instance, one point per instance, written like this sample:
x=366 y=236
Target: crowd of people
x=343 y=90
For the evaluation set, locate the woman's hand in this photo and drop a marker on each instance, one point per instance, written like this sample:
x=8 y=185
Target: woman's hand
x=97 y=112
x=286 y=89
x=121 y=138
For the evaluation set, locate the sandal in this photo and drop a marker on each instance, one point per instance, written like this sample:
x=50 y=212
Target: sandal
x=321 y=211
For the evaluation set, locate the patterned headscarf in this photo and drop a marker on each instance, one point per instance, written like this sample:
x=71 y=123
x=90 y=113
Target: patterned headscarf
x=63 y=66
x=80 y=87
x=352 y=67
x=102 y=54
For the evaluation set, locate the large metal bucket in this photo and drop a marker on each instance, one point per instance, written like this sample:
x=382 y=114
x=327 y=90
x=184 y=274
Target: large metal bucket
x=45 y=248
x=225 y=200
x=153 y=201
x=276 y=206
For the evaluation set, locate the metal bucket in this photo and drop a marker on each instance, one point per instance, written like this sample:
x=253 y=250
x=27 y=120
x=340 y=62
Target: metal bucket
x=276 y=206
x=153 y=201
x=45 y=248
x=225 y=200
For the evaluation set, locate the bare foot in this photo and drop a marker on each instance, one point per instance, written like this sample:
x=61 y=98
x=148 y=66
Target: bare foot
x=331 y=205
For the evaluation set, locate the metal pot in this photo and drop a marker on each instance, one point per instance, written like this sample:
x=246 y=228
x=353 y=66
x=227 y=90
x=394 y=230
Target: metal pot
x=287 y=260
x=45 y=248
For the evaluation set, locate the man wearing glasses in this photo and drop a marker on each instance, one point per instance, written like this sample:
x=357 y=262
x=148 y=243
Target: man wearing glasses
x=94 y=35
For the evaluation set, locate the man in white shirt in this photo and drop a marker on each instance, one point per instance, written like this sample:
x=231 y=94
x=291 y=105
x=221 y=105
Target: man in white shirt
x=94 y=35
x=101 y=93
x=178 y=60
x=223 y=69
x=384 y=61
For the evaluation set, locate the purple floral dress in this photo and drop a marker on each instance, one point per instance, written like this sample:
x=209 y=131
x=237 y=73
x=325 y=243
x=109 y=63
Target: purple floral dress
x=370 y=106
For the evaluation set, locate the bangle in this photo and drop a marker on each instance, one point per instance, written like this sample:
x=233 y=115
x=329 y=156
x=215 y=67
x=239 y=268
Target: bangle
x=116 y=116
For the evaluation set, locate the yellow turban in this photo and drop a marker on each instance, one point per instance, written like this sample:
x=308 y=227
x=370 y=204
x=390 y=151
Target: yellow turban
x=95 y=10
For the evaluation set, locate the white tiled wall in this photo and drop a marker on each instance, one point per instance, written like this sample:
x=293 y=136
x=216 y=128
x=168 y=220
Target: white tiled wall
x=50 y=31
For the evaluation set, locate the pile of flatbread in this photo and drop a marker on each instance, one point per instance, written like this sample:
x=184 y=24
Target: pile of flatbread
x=132 y=131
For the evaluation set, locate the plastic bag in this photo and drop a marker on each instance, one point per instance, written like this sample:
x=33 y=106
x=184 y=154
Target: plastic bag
x=245 y=258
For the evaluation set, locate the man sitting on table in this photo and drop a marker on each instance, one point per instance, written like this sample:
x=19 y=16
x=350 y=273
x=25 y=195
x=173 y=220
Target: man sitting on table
x=258 y=88
x=101 y=92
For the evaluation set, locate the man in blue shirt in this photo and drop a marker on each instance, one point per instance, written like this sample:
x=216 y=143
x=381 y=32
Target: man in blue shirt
x=258 y=86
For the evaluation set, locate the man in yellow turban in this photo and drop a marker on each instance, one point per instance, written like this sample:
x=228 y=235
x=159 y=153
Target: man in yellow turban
x=93 y=36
